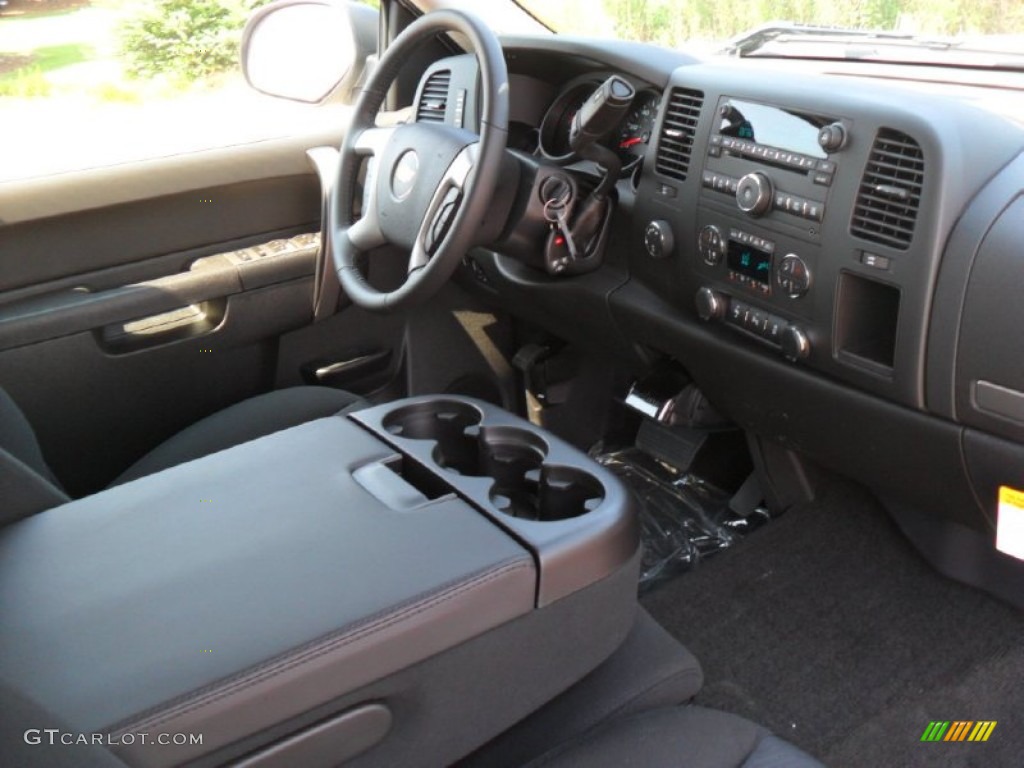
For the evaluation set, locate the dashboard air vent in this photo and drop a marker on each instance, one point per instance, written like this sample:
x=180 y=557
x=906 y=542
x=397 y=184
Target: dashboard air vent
x=434 y=99
x=676 y=142
x=890 y=192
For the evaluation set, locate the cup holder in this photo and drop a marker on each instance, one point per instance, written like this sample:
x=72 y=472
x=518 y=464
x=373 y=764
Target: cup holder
x=548 y=494
x=440 y=420
x=513 y=458
x=502 y=453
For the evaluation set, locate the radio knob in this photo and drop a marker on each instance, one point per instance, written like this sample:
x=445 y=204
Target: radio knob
x=710 y=305
x=658 y=239
x=711 y=245
x=832 y=137
x=795 y=344
x=754 y=194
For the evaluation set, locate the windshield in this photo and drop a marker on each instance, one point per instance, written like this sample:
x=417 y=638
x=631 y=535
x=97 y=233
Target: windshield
x=955 y=32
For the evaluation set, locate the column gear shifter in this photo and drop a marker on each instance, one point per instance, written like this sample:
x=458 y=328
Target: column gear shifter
x=578 y=235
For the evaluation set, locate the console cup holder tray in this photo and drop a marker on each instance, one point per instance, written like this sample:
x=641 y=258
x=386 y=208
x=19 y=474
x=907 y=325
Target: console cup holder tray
x=574 y=515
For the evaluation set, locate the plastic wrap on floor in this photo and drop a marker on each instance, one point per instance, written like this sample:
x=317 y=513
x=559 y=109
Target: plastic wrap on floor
x=683 y=519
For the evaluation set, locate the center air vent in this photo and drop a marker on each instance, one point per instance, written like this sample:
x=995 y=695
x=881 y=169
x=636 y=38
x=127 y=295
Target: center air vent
x=890 y=192
x=434 y=98
x=676 y=141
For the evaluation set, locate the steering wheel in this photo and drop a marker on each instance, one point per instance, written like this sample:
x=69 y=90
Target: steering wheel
x=428 y=185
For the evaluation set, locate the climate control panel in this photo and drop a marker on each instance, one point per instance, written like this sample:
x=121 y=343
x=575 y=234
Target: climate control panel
x=752 y=262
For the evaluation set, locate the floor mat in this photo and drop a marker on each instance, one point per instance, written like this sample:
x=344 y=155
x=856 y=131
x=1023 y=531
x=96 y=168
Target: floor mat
x=684 y=519
x=829 y=629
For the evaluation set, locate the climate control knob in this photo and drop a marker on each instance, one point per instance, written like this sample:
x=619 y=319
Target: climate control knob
x=754 y=194
x=793 y=276
x=711 y=245
x=795 y=344
x=710 y=305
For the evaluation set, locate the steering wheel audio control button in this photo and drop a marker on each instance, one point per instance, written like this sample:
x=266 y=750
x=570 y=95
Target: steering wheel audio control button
x=442 y=221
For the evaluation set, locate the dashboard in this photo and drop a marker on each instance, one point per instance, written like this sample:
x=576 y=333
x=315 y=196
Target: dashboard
x=832 y=256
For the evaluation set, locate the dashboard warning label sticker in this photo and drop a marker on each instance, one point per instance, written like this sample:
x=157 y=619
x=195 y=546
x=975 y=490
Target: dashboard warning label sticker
x=1010 y=526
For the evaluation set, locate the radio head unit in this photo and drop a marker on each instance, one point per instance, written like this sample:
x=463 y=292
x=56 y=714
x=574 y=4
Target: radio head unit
x=771 y=126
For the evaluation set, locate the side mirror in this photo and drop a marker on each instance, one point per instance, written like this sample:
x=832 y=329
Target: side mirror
x=308 y=50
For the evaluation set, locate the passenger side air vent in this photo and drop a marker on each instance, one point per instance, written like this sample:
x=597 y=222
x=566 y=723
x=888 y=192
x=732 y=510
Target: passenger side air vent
x=434 y=99
x=677 y=132
x=890 y=192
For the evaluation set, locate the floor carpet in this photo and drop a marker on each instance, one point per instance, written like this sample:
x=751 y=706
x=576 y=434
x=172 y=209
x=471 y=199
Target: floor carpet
x=827 y=627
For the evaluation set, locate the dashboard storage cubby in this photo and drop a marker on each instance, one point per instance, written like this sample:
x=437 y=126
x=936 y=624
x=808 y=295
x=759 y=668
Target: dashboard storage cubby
x=868 y=314
x=572 y=514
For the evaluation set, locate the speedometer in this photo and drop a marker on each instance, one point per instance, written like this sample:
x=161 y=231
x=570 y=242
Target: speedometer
x=637 y=128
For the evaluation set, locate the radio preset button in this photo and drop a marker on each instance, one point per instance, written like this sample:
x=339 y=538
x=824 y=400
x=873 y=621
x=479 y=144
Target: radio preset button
x=737 y=309
x=756 y=321
x=773 y=328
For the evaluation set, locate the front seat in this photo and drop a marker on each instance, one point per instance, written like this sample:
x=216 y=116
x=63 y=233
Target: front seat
x=28 y=485
x=678 y=737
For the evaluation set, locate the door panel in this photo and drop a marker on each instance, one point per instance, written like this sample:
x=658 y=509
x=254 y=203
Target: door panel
x=78 y=243
x=121 y=319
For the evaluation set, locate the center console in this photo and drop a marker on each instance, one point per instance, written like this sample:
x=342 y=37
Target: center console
x=359 y=587
x=808 y=222
x=765 y=186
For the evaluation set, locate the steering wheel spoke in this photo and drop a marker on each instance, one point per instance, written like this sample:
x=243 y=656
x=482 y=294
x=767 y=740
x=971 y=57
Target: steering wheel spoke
x=365 y=234
x=443 y=207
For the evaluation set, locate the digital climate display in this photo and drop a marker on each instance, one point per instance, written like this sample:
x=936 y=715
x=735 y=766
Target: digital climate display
x=750 y=261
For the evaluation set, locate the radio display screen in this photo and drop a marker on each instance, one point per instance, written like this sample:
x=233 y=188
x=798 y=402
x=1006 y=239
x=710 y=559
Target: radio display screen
x=773 y=127
x=750 y=261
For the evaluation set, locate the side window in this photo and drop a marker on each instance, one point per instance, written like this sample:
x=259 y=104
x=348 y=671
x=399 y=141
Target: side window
x=85 y=84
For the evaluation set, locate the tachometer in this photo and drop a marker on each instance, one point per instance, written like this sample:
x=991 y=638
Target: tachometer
x=637 y=128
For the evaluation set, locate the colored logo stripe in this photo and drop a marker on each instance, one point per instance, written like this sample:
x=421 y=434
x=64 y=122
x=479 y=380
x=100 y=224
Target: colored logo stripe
x=982 y=730
x=958 y=730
